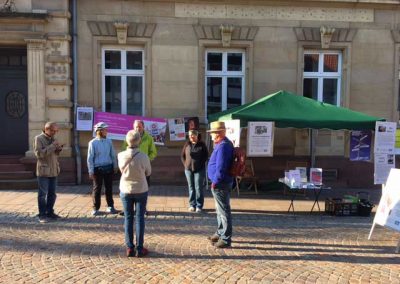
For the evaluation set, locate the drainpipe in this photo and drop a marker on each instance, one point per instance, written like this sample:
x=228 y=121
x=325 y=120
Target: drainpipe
x=75 y=92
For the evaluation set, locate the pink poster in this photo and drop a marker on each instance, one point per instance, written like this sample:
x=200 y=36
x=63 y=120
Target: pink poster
x=120 y=124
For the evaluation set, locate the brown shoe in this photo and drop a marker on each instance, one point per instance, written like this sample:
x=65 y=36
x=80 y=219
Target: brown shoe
x=213 y=238
x=130 y=252
x=142 y=253
x=222 y=244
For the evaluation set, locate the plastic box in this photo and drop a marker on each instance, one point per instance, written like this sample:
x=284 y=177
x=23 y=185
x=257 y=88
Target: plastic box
x=337 y=207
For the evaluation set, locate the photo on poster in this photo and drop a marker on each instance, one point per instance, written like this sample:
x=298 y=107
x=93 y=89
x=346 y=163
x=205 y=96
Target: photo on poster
x=84 y=120
x=360 y=145
x=191 y=123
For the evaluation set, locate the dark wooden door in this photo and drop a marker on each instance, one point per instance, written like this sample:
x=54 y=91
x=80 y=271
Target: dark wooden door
x=13 y=101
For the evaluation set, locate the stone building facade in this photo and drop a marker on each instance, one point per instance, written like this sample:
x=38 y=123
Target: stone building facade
x=197 y=57
x=35 y=63
x=191 y=58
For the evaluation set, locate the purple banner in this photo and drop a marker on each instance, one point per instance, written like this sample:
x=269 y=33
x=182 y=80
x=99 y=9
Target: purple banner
x=120 y=124
x=360 y=145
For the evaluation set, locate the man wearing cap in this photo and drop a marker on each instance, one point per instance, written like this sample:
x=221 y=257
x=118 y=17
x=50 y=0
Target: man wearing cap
x=218 y=172
x=47 y=150
x=102 y=164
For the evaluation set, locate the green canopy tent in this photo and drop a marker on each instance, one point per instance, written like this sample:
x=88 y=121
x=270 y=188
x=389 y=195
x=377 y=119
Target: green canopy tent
x=290 y=110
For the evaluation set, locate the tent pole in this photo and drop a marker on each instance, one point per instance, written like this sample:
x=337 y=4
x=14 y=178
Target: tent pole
x=313 y=134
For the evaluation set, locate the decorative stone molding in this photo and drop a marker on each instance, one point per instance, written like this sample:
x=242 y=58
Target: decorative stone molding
x=314 y=34
x=59 y=82
x=58 y=59
x=121 y=29
x=59 y=103
x=98 y=28
x=326 y=36
x=58 y=36
x=215 y=32
x=286 y=13
x=226 y=35
x=36 y=44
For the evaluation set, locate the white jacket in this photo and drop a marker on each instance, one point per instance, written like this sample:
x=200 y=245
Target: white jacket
x=133 y=171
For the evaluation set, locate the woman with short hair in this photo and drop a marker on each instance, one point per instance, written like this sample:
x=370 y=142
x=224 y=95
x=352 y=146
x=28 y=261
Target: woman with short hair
x=134 y=166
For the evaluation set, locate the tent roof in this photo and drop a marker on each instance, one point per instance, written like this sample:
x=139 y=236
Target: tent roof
x=290 y=110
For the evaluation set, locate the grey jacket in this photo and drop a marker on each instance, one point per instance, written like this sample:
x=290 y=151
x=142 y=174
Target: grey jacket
x=47 y=156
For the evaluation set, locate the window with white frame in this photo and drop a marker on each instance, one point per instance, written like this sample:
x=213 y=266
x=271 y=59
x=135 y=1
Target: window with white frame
x=322 y=76
x=123 y=80
x=224 y=80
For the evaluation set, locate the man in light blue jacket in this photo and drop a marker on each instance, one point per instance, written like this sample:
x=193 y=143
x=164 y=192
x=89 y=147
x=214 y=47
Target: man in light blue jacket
x=102 y=164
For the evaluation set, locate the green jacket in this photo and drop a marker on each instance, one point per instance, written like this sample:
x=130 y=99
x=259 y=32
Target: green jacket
x=146 y=146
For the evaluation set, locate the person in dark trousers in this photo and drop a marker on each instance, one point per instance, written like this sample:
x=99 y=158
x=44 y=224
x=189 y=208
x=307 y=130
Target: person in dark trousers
x=194 y=157
x=221 y=183
x=47 y=150
x=102 y=164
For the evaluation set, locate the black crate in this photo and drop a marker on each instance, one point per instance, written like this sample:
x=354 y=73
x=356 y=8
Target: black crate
x=337 y=207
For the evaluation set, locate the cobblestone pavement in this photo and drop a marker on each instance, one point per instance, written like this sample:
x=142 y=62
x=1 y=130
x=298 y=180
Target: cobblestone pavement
x=270 y=245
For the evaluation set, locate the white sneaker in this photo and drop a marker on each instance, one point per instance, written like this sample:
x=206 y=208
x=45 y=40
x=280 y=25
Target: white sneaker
x=95 y=212
x=199 y=210
x=192 y=209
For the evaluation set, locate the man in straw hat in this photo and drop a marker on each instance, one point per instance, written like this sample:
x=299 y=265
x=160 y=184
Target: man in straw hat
x=218 y=172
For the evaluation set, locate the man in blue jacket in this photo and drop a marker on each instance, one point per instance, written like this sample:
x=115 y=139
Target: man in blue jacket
x=218 y=172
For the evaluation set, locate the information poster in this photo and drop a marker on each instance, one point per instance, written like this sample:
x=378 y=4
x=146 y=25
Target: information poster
x=397 y=143
x=120 y=124
x=84 y=119
x=260 y=139
x=382 y=166
x=360 y=145
x=316 y=176
x=176 y=129
x=233 y=131
x=388 y=212
x=385 y=137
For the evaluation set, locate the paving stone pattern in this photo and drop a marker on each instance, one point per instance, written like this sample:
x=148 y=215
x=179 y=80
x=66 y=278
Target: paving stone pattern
x=270 y=245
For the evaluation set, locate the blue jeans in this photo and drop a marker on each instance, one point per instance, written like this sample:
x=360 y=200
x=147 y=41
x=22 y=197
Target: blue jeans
x=196 y=182
x=223 y=208
x=132 y=203
x=46 y=195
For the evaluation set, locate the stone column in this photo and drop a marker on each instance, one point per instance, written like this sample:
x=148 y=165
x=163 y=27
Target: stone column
x=36 y=89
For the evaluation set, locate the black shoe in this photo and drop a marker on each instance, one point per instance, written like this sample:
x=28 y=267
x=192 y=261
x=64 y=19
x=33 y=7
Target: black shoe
x=213 y=238
x=222 y=244
x=53 y=216
x=43 y=219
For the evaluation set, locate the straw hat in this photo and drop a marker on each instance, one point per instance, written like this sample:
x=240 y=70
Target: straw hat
x=217 y=126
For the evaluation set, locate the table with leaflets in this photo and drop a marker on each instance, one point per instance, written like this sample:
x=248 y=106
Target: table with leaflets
x=293 y=189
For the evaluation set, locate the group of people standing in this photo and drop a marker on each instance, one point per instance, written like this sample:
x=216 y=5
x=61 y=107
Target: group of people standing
x=135 y=167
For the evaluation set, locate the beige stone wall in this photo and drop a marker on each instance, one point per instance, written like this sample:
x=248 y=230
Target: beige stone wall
x=175 y=65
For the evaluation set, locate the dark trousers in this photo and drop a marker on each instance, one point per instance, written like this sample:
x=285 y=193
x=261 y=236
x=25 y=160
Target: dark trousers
x=98 y=179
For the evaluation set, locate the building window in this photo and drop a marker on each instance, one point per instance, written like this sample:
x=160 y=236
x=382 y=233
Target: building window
x=123 y=81
x=224 y=80
x=321 y=78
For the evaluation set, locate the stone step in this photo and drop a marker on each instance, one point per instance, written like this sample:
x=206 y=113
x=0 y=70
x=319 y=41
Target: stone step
x=11 y=167
x=16 y=175
x=9 y=159
x=18 y=184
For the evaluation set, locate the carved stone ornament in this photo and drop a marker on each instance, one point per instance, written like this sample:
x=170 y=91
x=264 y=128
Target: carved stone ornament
x=326 y=36
x=226 y=35
x=122 y=31
x=15 y=104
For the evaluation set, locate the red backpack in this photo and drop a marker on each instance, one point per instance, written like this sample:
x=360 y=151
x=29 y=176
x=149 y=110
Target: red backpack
x=238 y=166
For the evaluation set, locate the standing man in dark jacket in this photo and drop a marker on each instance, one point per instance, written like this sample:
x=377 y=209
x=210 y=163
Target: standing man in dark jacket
x=218 y=172
x=47 y=149
x=194 y=157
